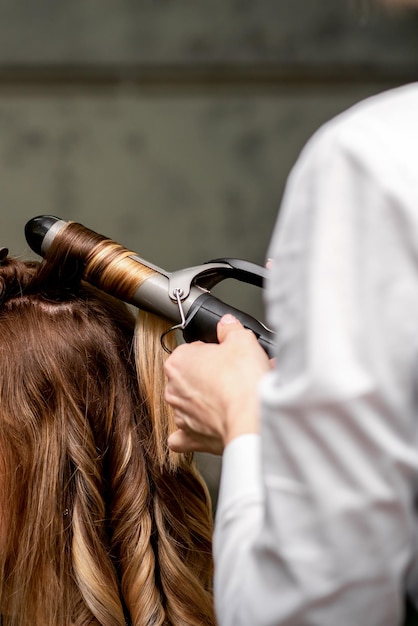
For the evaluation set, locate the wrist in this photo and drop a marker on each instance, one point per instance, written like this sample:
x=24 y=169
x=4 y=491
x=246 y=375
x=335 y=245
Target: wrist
x=240 y=422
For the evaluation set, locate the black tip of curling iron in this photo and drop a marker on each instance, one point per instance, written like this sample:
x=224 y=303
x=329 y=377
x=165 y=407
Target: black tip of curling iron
x=36 y=229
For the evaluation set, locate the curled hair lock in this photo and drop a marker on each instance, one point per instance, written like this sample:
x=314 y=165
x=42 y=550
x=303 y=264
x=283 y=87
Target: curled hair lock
x=100 y=523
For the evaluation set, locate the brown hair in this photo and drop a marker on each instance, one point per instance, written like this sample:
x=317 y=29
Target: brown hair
x=99 y=522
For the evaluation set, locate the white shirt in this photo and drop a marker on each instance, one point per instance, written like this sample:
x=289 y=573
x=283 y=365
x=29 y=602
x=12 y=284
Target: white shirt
x=316 y=521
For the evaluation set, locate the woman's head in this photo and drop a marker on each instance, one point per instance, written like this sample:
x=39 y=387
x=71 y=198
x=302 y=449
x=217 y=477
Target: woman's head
x=98 y=521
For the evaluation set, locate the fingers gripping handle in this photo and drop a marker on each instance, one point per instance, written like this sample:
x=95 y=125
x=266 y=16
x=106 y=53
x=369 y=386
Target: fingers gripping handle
x=205 y=313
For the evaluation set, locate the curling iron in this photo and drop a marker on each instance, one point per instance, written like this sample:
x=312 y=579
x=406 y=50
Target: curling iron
x=182 y=297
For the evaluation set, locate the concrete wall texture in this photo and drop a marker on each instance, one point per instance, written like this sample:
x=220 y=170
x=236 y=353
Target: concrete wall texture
x=171 y=125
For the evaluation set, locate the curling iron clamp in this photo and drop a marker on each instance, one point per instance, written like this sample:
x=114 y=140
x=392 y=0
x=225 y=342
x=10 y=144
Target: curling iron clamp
x=182 y=297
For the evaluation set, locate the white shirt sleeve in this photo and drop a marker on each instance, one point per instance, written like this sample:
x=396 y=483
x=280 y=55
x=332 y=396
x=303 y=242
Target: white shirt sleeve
x=315 y=522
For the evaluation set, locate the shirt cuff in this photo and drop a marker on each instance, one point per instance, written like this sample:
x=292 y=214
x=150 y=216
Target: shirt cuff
x=241 y=477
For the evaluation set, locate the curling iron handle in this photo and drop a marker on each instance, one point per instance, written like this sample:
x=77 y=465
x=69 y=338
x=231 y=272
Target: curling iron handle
x=205 y=313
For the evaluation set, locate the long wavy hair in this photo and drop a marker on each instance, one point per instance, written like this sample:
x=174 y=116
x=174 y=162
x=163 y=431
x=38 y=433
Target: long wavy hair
x=99 y=522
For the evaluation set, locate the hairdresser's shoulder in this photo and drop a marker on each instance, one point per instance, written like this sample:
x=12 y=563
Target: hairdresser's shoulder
x=395 y=106
x=383 y=124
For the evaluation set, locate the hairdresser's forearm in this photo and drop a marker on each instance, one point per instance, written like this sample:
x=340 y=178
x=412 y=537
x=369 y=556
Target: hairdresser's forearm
x=238 y=521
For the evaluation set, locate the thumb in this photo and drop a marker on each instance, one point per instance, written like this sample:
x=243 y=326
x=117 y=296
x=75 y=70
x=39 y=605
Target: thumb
x=226 y=325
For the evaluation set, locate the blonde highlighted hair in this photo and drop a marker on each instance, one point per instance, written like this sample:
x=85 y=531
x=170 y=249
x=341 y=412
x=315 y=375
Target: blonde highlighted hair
x=99 y=522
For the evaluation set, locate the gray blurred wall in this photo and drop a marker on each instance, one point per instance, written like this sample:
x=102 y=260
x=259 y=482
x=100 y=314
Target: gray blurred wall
x=171 y=125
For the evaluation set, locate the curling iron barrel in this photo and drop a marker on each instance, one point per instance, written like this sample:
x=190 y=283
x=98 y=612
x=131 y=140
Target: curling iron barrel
x=182 y=297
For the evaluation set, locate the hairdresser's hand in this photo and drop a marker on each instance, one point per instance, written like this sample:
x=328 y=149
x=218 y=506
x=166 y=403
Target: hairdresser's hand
x=213 y=389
